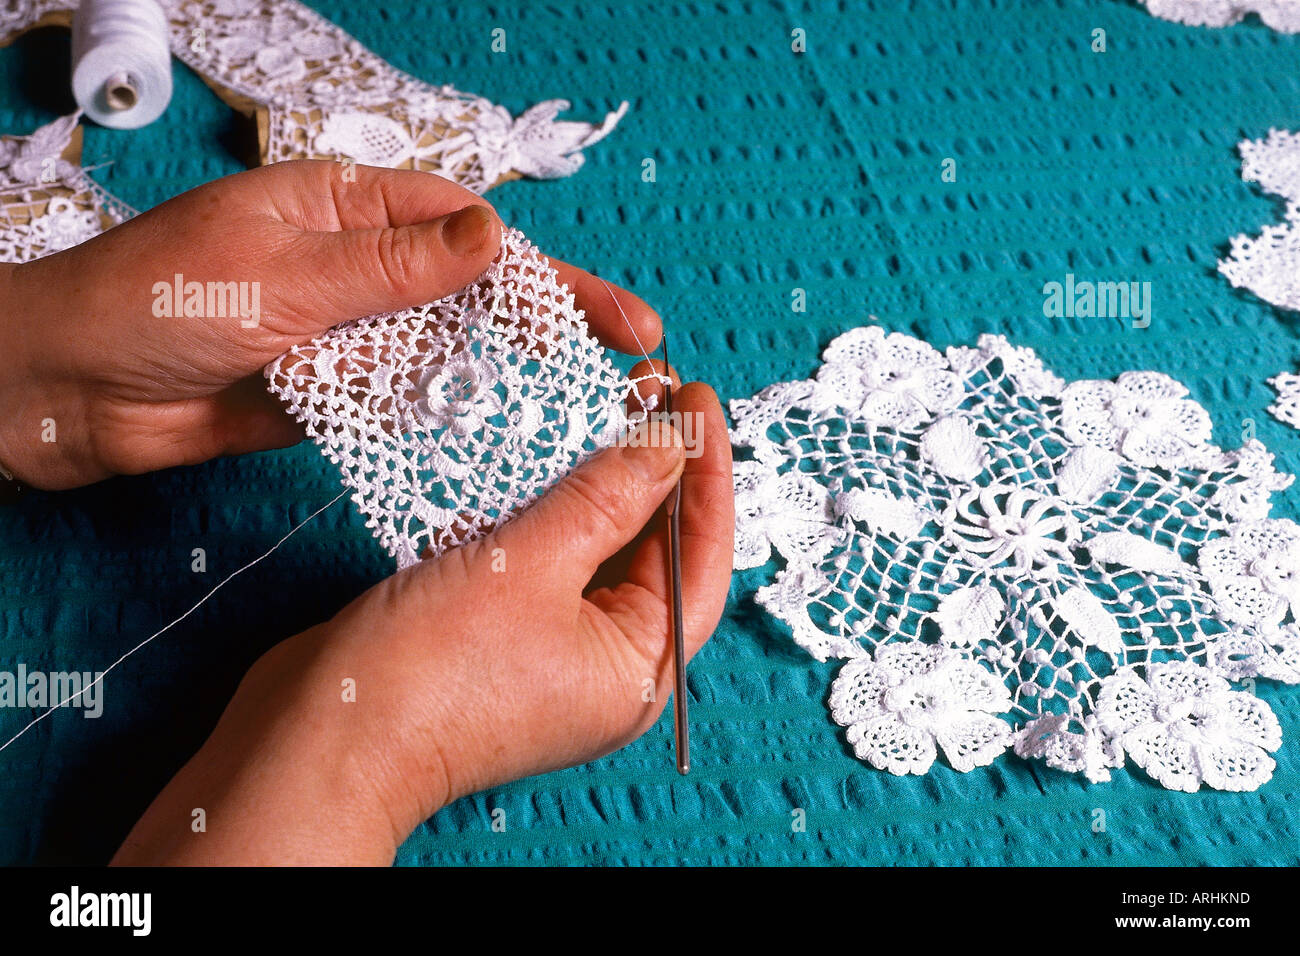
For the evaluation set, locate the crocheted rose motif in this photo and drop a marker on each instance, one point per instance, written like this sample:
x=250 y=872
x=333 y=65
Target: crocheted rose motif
x=913 y=697
x=1185 y=726
x=887 y=379
x=1254 y=571
x=1044 y=535
x=1145 y=416
x=460 y=396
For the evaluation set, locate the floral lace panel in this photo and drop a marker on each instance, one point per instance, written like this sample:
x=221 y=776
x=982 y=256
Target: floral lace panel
x=1282 y=15
x=47 y=203
x=1005 y=560
x=328 y=97
x=448 y=419
x=498 y=146
x=1269 y=264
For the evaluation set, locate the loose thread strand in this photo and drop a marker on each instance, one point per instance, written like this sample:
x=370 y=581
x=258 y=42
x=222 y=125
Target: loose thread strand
x=234 y=574
x=230 y=577
x=631 y=328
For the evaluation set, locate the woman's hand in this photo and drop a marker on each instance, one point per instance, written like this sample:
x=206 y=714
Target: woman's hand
x=545 y=644
x=128 y=391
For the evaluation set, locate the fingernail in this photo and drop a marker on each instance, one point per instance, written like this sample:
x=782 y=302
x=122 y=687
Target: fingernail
x=652 y=450
x=465 y=231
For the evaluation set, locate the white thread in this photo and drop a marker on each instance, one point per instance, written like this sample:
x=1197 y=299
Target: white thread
x=663 y=379
x=121 y=64
x=202 y=601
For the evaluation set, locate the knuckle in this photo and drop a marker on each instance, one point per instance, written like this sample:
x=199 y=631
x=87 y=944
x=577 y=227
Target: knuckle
x=396 y=255
x=461 y=567
x=595 y=501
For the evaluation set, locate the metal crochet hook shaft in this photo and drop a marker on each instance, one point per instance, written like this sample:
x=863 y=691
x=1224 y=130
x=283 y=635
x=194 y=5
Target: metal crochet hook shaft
x=681 y=731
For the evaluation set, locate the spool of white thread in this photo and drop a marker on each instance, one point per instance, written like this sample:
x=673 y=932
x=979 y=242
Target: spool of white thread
x=121 y=63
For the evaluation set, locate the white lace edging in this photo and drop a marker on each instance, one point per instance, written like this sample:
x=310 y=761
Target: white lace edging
x=1008 y=561
x=1281 y=15
x=48 y=204
x=329 y=97
x=1287 y=407
x=1269 y=264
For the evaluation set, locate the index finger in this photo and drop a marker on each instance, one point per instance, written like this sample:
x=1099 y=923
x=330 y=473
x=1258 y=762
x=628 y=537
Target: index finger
x=619 y=319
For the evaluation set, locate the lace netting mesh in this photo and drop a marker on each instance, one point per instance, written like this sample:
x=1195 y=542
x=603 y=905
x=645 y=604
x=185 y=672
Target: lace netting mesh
x=449 y=418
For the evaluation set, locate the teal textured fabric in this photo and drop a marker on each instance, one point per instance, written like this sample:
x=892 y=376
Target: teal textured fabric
x=774 y=170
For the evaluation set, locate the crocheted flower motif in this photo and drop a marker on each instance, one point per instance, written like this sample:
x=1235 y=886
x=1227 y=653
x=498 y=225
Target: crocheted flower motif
x=280 y=65
x=1185 y=726
x=1012 y=530
x=797 y=527
x=1089 y=752
x=1048 y=535
x=536 y=143
x=31 y=159
x=1254 y=571
x=914 y=697
x=886 y=379
x=1281 y=15
x=1145 y=416
x=460 y=396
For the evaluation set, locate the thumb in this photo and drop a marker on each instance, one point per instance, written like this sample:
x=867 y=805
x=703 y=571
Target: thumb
x=593 y=512
x=365 y=271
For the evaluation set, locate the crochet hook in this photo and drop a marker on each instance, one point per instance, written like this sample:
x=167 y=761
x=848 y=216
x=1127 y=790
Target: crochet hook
x=681 y=732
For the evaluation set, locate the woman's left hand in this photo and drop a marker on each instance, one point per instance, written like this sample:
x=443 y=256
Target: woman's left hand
x=128 y=391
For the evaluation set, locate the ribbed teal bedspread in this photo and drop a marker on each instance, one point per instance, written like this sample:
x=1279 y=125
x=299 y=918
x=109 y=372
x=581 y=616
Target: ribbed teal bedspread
x=774 y=170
